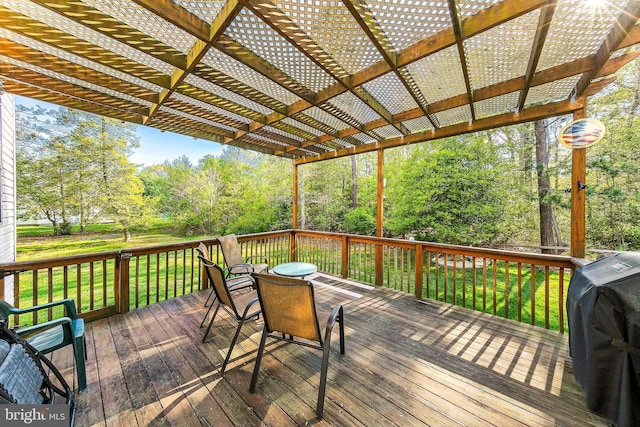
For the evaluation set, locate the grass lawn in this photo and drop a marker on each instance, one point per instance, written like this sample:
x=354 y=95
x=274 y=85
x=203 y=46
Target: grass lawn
x=38 y=242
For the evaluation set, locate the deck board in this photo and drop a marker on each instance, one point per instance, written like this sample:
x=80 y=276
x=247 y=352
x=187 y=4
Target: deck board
x=407 y=363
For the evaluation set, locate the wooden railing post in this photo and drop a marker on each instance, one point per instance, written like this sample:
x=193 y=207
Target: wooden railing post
x=344 y=268
x=419 y=273
x=122 y=282
x=379 y=264
x=292 y=246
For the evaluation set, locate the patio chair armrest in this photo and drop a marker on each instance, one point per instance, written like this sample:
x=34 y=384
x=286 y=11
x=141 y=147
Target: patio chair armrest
x=248 y=307
x=248 y=268
x=69 y=305
x=260 y=257
x=28 y=331
x=240 y=282
x=337 y=315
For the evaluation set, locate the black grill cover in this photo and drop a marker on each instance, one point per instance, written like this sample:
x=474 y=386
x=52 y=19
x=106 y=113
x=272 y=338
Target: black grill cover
x=603 y=311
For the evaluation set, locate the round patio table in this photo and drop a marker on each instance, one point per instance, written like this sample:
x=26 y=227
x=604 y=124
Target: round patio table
x=295 y=269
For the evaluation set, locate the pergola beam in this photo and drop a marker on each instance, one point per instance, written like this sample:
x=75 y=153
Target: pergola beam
x=615 y=38
x=199 y=49
x=279 y=22
x=455 y=21
x=544 y=22
x=527 y=115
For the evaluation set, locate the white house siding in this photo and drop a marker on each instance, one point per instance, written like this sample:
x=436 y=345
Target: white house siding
x=8 y=187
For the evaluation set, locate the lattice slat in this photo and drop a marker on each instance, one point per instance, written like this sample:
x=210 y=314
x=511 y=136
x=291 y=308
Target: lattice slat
x=391 y=93
x=409 y=21
x=573 y=34
x=331 y=26
x=507 y=103
x=454 y=115
x=490 y=61
x=428 y=71
x=553 y=91
x=254 y=34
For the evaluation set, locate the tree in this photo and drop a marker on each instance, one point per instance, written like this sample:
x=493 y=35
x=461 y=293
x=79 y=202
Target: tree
x=613 y=189
x=74 y=165
x=547 y=217
x=448 y=193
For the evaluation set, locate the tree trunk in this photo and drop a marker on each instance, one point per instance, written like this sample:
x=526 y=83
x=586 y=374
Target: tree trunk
x=126 y=234
x=547 y=218
x=354 y=182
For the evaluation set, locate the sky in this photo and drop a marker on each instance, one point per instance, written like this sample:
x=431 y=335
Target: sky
x=155 y=146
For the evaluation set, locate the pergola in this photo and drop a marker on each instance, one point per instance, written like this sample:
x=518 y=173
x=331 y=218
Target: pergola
x=317 y=79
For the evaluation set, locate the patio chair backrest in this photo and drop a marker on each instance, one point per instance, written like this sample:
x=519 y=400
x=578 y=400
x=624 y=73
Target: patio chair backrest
x=216 y=276
x=230 y=250
x=203 y=251
x=288 y=306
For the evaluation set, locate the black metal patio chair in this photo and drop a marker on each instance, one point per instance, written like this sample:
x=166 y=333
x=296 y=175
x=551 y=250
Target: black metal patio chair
x=241 y=305
x=290 y=315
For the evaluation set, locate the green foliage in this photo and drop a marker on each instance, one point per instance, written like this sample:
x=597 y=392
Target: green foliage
x=361 y=221
x=239 y=192
x=73 y=166
x=448 y=193
x=613 y=201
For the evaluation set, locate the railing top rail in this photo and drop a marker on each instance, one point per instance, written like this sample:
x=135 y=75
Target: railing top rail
x=57 y=262
x=148 y=250
x=524 y=257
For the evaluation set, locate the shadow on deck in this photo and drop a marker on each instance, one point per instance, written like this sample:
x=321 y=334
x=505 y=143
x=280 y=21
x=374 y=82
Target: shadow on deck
x=407 y=363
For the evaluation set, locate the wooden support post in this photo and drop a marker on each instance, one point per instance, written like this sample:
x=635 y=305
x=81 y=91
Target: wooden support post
x=379 y=259
x=578 y=193
x=294 y=200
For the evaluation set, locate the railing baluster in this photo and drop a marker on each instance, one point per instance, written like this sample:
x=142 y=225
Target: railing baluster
x=192 y=268
x=519 y=292
x=495 y=286
x=16 y=297
x=104 y=283
x=533 y=294
x=49 y=291
x=148 y=295
x=546 y=297
x=91 y=285
x=184 y=272
x=79 y=287
x=175 y=273
x=484 y=285
x=474 y=281
x=137 y=282
x=561 y=302
x=429 y=274
x=506 y=289
x=455 y=278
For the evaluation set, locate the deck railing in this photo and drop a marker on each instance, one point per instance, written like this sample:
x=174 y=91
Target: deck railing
x=525 y=287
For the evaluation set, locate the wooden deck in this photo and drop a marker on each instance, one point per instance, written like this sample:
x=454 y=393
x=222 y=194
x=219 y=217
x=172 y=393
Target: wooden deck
x=407 y=363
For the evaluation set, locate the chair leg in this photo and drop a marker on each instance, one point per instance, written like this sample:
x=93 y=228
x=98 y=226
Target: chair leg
x=80 y=356
x=233 y=343
x=204 y=319
x=204 y=337
x=341 y=324
x=323 y=379
x=209 y=297
x=256 y=368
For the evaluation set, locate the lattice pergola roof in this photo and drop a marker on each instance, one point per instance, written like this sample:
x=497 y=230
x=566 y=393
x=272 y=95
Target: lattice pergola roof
x=316 y=79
